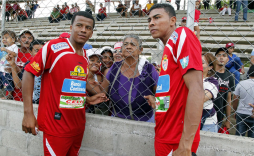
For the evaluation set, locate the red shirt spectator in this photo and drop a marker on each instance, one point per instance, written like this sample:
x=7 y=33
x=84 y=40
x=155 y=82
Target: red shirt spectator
x=8 y=7
x=23 y=12
x=103 y=11
x=63 y=11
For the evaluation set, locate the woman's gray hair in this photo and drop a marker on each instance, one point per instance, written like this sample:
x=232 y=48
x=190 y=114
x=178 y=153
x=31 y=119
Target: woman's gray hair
x=135 y=37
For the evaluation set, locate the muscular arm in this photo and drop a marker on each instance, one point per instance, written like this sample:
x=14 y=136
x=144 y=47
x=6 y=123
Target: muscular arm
x=193 y=111
x=235 y=102
x=228 y=110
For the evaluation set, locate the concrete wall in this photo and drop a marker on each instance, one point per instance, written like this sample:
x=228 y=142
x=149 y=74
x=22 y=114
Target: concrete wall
x=107 y=136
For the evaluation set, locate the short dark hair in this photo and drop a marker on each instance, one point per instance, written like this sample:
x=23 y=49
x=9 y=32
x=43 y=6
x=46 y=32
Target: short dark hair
x=11 y=33
x=84 y=14
x=221 y=49
x=167 y=7
x=37 y=42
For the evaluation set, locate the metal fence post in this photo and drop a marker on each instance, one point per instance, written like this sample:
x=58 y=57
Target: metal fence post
x=3 y=19
x=190 y=14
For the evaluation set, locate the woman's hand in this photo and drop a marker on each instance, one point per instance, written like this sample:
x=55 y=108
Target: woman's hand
x=96 y=99
x=151 y=100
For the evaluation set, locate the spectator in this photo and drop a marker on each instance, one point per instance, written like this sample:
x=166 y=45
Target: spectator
x=101 y=13
x=54 y=16
x=225 y=9
x=68 y=8
x=243 y=95
x=197 y=18
x=77 y=7
x=146 y=10
x=218 y=4
x=180 y=79
x=210 y=84
x=121 y=9
x=32 y=9
x=206 y=4
x=7 y=11
x=231 y=3
x=72 y=11
x=234 y=63
x=178 y=4
x=118 y=53
x=22 y=15
x=183 y=22
x=107 y=4
x=107 y=58
x=36 y=6
x=89 y=6
x=28 y=9
x=127 y=3
x=8 y=39
x=58 y=7
x=125 y=79
x=63 y=12
x=226 y=85
x=251 y=62
x=36 y=46
x=15 y=9
x=136 y=9
x=244 y=4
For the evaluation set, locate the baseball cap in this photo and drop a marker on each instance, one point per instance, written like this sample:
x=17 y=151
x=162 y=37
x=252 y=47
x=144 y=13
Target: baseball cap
x=221 y=49
x=184 y=18
x=118 y=45
x=65 y=35
x=106 y=48
x=230 y=45
x=92 y=52
x=26 y=31
x=87 y=46
x=251 y=71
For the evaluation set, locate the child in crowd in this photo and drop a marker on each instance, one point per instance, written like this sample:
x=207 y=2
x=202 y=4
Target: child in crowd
x=11 y=49
x=118 y=53
x=225 y=9
x=234 y=64
x=197 y=18
x=183 y=22
x=36 y=46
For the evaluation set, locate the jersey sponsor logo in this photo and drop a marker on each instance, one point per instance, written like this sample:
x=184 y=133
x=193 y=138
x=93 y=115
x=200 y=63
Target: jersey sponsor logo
x=164 y=62
x=78 y=71
x=184 y=62
x=72 y=102
x=59 y=46
x=174 y=37
x=35 y=66
x=163 y=85
x=162 y=103
x=74 y=86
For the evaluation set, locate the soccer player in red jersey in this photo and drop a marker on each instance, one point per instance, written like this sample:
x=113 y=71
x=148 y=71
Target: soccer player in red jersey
x=177 y=129
x=63 y=66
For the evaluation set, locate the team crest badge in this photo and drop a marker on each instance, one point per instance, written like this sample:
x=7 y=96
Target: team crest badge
x=184 y=62
x=78 y=71
x=174 y=37
x=164 y=62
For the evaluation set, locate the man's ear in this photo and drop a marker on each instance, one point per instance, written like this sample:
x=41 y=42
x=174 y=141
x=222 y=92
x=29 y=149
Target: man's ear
x=172 y=21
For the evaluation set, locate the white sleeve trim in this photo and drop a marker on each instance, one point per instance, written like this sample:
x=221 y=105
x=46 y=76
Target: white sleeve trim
x=44 y=54
x=181 y=42
x=171 y=50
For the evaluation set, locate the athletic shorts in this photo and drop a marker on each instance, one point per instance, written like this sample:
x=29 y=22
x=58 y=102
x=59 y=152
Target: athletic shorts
x=162 y=149
x=57 y=146
x=195 y=24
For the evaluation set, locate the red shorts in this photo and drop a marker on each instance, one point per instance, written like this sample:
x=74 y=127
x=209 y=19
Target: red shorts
x=55 y=146
x=162 y=149
x=146 y=12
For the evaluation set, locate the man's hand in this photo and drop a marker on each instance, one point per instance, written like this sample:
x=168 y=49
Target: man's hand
x=151 y=100
x=29 y=123
x=243 y=71
x=181 y=152
x=96 y=99
x=252 y=110
x=227 y=124
x=10 y=59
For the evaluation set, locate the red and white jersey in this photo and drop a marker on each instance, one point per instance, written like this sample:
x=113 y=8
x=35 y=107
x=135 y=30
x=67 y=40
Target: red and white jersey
x=23 y=58
x=63 y=88
x=181 y=53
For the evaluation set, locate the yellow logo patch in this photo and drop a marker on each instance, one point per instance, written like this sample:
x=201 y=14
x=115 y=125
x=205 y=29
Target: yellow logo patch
x=78 y=71
x=36 y=66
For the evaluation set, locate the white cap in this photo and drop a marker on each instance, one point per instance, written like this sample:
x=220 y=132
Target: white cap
x=118 y=45
x=93 y=51
x=106 y=48
x=26 y=31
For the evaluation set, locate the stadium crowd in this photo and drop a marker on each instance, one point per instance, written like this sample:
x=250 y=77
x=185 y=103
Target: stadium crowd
x=129 y=81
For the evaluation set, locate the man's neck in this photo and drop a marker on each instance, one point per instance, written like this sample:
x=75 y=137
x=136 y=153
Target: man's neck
x=220 y=69
x=78 y=47
x=25 y=50
x=166 y=37
x=230 y=54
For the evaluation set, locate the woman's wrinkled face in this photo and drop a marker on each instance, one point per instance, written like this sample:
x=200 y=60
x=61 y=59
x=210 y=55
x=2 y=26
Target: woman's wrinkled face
x=131 y=48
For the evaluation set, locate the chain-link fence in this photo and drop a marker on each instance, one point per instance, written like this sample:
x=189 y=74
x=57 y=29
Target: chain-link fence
x=126 y=66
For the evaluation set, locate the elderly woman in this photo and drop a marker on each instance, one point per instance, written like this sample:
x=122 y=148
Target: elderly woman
x=131 y=83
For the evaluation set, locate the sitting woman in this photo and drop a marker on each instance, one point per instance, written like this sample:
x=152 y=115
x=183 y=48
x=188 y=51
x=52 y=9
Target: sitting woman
x=225 y=9
x=101 y=13
x=211 y=88
x=131 y=83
